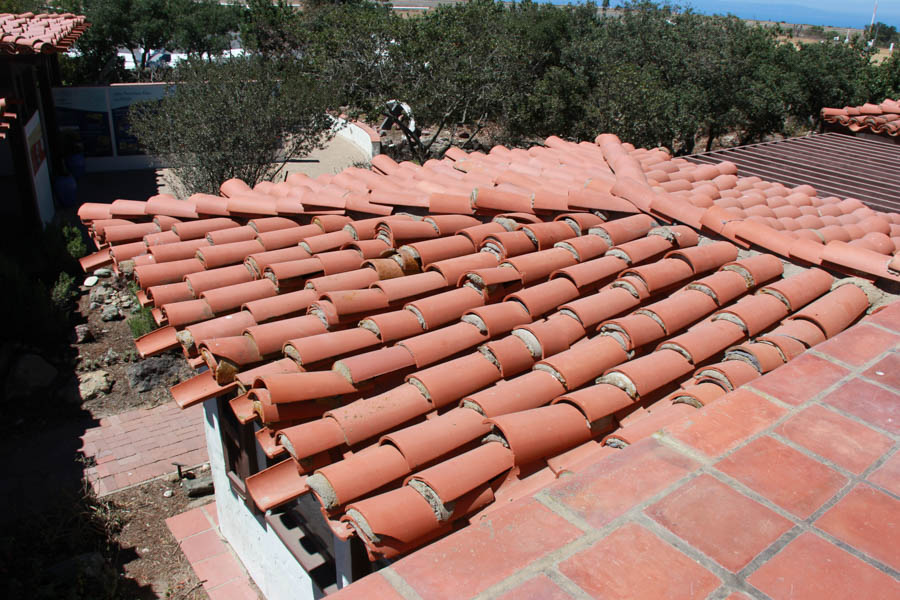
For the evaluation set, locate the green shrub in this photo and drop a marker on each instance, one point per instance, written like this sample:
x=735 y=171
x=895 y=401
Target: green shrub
x=141 y=323
x=63 y=292
x=75 y=246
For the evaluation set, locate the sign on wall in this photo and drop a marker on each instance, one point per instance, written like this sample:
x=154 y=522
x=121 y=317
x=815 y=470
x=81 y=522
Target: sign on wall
x=40 y=172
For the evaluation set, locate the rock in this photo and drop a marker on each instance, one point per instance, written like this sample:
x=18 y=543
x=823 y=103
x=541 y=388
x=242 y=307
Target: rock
x=93 y=306
x=151 y=372
x=110 y=313
x=99 y=293
x=93 y=383
x=168 y=494
x=110 y=357
x=91 y=281
x=83 y=333
x=30 y=374
x=201 y=486
x=103 y=272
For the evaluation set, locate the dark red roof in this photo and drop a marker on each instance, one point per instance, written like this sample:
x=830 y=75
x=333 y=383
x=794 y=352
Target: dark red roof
x=40 y=33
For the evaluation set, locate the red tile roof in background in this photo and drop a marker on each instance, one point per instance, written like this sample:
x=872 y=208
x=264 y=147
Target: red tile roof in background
x=878 y=118
x=426 y=345
x=40 y=33
x=835 y=164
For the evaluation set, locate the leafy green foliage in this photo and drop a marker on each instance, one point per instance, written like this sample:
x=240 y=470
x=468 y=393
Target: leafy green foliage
x=240 y=117
x=141 y=323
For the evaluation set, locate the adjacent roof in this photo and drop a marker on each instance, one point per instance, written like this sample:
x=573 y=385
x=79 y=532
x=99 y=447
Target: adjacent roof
x=836 y=164
x=424 y=346
x=881 y=118
x=40 y=33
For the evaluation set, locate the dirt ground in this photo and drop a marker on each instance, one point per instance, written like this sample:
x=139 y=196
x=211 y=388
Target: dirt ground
x=149 y=554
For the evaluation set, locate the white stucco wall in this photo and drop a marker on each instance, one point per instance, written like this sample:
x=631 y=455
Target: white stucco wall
x=274 y=570
x=359 y=136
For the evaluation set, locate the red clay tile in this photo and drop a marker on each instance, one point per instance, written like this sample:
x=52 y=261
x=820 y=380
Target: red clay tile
x=217 y=570
x=538 y=588
x=867 y=519
x=633 y=563
x=726 y=422
x=202 y=546
x=237 y=589
x=842 y=441
x=612 y=486
x=785 y=476
x=888 y=475
x=869 y=402
x=371 y=587
x=720 y=522
x=809 y=568
x=486 y=552
x=188 y=523
x=886 y=371
x=859 y=344
x=801 y=379
x=887 y=317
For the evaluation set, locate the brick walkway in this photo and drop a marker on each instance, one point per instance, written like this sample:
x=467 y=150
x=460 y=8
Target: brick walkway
x=222 y=575
x=142 y=444
x=786 y=488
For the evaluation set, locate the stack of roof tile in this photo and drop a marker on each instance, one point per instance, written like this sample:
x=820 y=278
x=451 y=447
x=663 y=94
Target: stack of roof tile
x=40 y=33
x=419 y=342
x=878 y=118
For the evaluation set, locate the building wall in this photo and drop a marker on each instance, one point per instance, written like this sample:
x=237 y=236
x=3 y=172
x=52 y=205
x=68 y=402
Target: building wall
x=361 y=135
x=274 y=570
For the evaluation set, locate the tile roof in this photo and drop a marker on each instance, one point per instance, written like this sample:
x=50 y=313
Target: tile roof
x=557 y=279
x=836 y=164
x=40 y=33
x=881 y=118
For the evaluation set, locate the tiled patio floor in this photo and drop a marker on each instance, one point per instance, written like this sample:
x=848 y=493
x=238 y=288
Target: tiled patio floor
x=222 y=575
x=139 y=445
x=786 y=488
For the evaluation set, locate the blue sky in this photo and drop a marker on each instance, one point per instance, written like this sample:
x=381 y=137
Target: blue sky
x=837 y=13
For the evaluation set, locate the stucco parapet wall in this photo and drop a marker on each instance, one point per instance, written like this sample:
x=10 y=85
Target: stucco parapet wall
x=363 y=136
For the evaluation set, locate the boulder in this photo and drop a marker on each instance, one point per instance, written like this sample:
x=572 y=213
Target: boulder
x=151 y=372
x=93 y=383
x=83 y=333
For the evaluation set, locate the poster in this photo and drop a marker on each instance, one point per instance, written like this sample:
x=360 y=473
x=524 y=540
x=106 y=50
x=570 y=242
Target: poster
x=83 y=114
x=121 y=98
x=40 y=172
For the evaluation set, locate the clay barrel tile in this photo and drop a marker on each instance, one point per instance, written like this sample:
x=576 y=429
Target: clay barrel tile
x=176 y=251
x=376 y=363
x=354 y=302
x=156 y=342
x=370 y=417
x=197 y=389
x=642 y=376
x=168 y=293
x=545 y=338
x=497 y=319
x=270 y=337
x=433 y=346
x=606 y=304
x=453 y=268
x=806 y=332
x=232 y=297
x=260 y=261
x=246 y=377
x=584 y=248
x=132 y=250
x=584 y=362
x=288 y=237
x=762 y=357
x=755 y=313
x=202 y=281
x=757 y=269
x=510 y=354
x=227 y=254
x=801 y=289
x=836 y=310
x=542 y=432
x=350 y=280
x=400 y=517
x=624 y=230
x=547 y=296
x=662 y=274
x=633 y=331
x=439 y=309
x=707 y=257
x=507 y=244
x=640 y=250
x=681 y=309
x=531 y=390
x=592 y=273
x=169 y=272
x=729 y=374
x=279 y=306
x=298 y=387
x=426 y=441
x=232 y=324
x=431 y=251
x=233 y=234
x=225 y=355
x=477 y=233
x=598 y=402
x=190 y=230
x=357 y=475
x=789 y=347
x=326 y=241
x=441 y=384
x=120 y=234
x=705 y=340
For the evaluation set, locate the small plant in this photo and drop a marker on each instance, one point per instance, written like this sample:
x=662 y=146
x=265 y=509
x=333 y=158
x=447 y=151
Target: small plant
x=75 y=245
x=141 y=323
x=63 y=292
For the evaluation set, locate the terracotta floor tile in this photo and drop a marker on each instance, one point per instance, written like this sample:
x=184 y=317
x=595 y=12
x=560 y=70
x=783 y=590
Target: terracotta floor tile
x=632 y=562
x=723 y=524
x=539 y=588
x=859 y=344
x=188 y=523
x=612 y=486
x=202 y=546
x=810 y=568
x=886 y=371
x=868 y=520
x=785 y=476
x=830 y=435
x=800 y=379
x=217 y=570
x=486 y=552
x=888 y=475
x=726 y=422
x=212 y=512
x=869 y=402
x=368 y=588
x=237 y=589
x=737 y=596
x=888 y=317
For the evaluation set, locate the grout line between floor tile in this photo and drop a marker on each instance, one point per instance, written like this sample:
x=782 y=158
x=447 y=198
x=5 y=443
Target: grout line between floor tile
x=869 y=560
x=567 y=585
